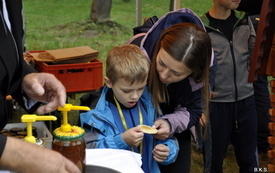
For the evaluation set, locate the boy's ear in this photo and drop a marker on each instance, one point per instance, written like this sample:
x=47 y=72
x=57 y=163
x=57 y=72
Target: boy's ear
x=108 y=82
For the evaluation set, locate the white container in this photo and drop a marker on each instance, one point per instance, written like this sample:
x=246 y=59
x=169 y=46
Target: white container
x=42 y=131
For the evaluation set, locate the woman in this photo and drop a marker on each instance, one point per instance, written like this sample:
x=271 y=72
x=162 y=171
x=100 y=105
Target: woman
x=179 y=68
x=180 y=52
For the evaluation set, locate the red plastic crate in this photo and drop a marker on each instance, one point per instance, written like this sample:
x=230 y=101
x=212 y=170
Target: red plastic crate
x=78 y=77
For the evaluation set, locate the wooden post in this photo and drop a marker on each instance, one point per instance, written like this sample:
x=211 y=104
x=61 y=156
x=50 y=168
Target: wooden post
x=138 y=12
x=174 y=5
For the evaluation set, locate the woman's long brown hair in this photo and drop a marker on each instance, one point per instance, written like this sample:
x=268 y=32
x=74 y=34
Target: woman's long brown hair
x=188 y=44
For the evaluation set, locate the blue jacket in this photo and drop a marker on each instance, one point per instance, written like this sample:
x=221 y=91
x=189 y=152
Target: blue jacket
x=105 y=133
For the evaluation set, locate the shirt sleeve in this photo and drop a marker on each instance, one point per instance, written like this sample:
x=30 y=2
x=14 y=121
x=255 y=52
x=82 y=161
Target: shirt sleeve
x=185 y=115
x=3 y=140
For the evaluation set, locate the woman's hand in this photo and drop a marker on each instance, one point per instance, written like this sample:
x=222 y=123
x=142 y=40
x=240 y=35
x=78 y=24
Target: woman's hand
x=163 y=129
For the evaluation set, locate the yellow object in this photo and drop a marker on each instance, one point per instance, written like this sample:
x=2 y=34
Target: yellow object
x=29 y=119
x=75 y=133
x=148 y=129
x=65 y=126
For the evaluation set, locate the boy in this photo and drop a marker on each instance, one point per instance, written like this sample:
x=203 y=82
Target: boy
x=123 y=105
x=232 y=110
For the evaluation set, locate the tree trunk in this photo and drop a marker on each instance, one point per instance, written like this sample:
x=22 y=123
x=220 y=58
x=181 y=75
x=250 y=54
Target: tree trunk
x=100 y=10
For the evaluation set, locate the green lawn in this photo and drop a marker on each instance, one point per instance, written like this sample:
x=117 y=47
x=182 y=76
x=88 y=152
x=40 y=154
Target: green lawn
x=54 y=24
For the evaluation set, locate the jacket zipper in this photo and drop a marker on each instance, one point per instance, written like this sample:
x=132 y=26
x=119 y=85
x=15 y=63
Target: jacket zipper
x=234 y=70
x=235 y=76
x=235 y=84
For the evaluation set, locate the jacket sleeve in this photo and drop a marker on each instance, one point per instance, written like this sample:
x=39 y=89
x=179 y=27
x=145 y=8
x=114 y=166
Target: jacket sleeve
x=95 y=139
x=99 y=133
x=3 y=140
x=186 y=115
x=172 y=144
x=17 y=92
x=252 y=37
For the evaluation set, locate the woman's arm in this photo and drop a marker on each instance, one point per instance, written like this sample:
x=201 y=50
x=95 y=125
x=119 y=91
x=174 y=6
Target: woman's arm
x=183 y=117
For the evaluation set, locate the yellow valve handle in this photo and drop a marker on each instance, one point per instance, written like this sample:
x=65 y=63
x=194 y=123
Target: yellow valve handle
x=29 y=119
x=69 y=107
x=33 y=118
x=65 y=126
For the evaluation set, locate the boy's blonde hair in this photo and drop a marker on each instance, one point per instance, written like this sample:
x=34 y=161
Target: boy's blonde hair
x=128 y=62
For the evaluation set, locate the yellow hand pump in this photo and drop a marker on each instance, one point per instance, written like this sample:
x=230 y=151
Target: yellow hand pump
x=29 y=119
x=65 y=126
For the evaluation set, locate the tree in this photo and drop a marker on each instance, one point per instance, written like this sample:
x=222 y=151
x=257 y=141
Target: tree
x=100 y=10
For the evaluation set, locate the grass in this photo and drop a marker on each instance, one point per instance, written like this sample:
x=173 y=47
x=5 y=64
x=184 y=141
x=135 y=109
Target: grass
x=56 y=24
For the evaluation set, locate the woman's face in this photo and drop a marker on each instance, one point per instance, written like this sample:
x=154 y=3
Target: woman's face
x=169 y=69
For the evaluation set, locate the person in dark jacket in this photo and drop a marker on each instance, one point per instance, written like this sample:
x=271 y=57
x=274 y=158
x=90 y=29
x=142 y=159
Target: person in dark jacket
x=27 y=87
x=261 y=92
x=232 y=109
x=180 y=53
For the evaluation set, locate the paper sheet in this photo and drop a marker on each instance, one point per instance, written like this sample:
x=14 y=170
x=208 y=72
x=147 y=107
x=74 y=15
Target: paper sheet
x=120 y=160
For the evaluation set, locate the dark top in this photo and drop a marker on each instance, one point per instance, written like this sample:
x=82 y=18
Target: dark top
x=12 y=65
x=225 y=26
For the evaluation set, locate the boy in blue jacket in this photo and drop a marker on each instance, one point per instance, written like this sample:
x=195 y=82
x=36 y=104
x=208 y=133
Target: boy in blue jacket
x=124 y=104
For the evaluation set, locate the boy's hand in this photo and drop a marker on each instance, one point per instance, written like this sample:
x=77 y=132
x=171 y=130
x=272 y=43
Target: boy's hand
x=133 y=136
x=161 y=152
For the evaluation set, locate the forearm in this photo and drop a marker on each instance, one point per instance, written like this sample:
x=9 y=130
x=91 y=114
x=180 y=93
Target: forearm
x=13 y=155
x=181 y=119
x=21 y=156
x=186 y=113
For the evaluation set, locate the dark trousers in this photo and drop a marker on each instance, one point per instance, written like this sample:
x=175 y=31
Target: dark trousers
x=262 y=101
x=234 y=122
x=183 y=161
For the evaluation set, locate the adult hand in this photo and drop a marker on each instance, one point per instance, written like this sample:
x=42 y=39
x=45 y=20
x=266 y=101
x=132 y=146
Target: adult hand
x=133 y=136
x=161 y=152
x=163 y=129
x=21 y=156
x=46 y=88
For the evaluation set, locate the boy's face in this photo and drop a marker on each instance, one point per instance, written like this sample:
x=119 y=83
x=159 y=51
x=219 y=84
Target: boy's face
x=125 y=93
x=228 y=4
